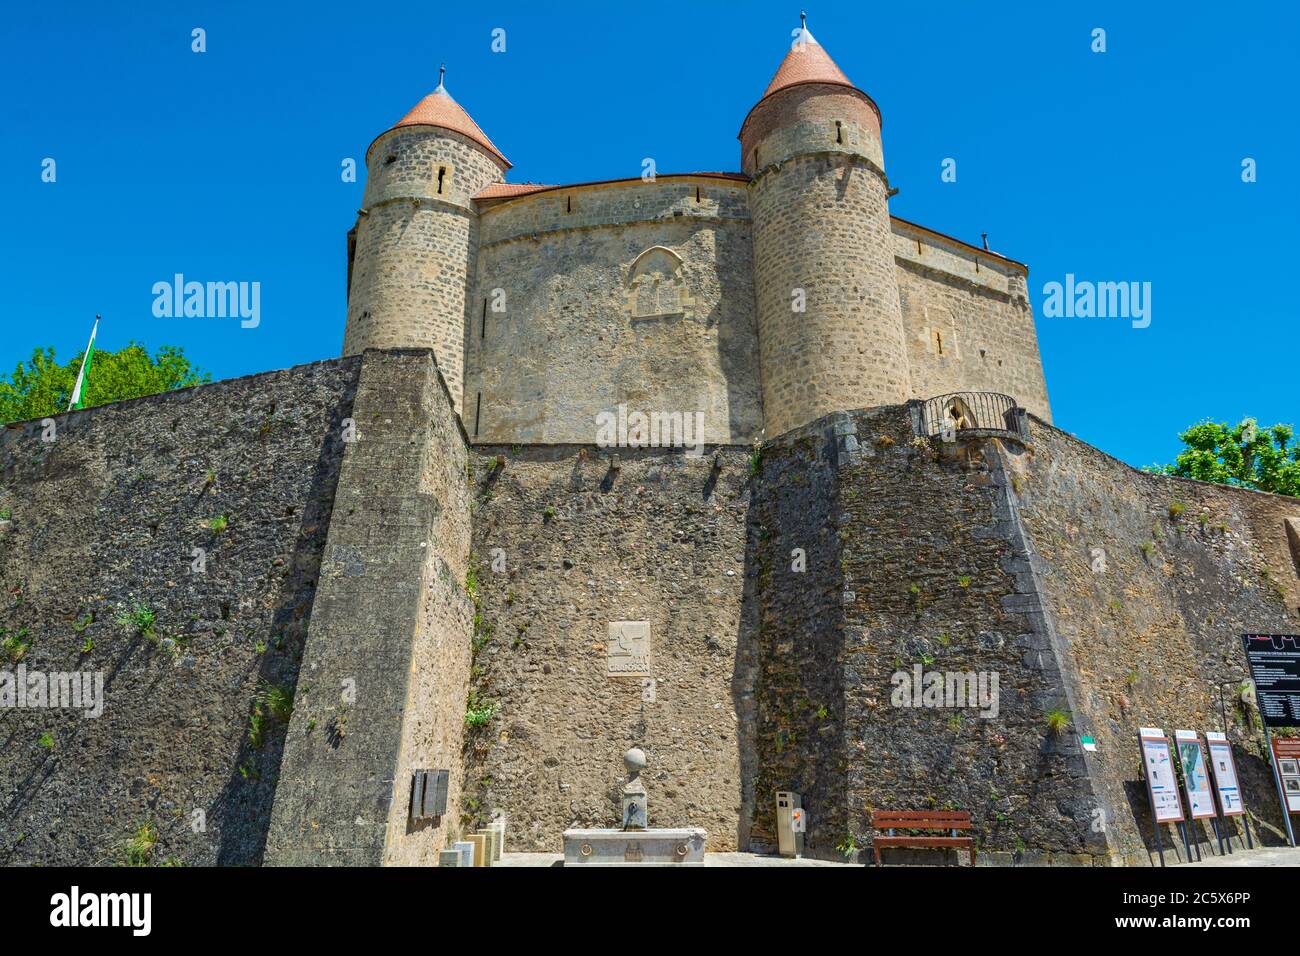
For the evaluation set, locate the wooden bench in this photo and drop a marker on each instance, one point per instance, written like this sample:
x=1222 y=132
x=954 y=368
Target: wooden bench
x=885 y=822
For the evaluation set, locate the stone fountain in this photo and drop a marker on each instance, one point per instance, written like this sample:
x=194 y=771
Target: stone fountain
x=636 y=844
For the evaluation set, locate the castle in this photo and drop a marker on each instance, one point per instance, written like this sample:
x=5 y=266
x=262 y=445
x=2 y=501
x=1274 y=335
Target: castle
x=764 y=298
x=349 y=612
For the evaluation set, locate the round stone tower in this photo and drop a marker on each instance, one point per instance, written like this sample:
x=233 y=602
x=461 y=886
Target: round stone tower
x=416 y=237
x=830 y=327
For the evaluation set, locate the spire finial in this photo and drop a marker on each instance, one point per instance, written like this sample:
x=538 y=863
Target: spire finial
x=803 y=20
x=442 y=72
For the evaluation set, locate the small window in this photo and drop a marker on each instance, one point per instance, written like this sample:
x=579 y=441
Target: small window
x=938 y=342
x=388 y=161
x=697 y=193
x=442 y=172
x=482 y=331
x=568 y=204
x=839 y=133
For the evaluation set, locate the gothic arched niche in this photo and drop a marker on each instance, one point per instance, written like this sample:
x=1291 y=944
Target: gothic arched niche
x=655 y=285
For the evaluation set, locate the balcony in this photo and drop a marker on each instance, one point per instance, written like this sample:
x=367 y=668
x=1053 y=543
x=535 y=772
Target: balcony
x=970 y=415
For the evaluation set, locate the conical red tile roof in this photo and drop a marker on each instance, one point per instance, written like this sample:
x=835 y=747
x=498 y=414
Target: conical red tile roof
x=806 y=62
x=439 y=109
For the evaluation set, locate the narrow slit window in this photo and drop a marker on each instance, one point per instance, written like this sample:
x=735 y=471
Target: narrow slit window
x=442 y=171
x=839 y=133
x=568 y=204
x=697 y=193
x=482 y=329
x=478 y=409
x=938 y=341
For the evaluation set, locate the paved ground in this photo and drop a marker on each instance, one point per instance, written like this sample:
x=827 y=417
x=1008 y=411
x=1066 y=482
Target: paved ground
x=710 y=859
x=1272 y=856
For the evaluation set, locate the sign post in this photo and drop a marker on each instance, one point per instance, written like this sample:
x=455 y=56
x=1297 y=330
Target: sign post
x=1274 y=661
x=1224 y=770
x=1196 y=781
x=1162 y=785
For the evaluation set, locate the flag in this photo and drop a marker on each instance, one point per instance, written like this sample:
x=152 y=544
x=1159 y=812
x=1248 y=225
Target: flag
x=79 y=390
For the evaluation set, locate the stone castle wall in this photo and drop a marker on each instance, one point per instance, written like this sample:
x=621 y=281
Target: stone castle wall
x=1155 y=631
x=576 y=547
x=572 y=339
x=968 y=321
x=554 y=337
x=783 y=591
x=108 y=516
x=914 y=559
x=337 y=579
x=852 y=566
x=385 y=672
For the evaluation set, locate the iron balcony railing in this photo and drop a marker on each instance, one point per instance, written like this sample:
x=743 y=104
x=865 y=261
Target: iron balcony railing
x=949 y=415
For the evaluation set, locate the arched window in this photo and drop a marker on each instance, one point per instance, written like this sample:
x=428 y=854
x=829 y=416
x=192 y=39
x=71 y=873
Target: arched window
x=656 y=286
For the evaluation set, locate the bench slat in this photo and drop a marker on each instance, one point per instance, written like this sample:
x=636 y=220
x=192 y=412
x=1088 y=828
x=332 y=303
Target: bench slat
x=935 y=820
x=914 y=823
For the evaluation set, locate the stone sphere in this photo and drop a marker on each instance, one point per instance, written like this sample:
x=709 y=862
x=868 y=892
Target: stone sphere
x=634 y=760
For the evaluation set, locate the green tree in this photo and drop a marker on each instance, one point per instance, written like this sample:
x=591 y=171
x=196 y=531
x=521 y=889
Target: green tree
x=43 y=386
x=1244 y=455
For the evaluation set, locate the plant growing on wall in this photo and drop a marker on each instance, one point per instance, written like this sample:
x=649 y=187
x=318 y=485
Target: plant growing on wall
x=1056 y=719
x=478 y=712
x=1243 y=455
x=138 y=849
x=138 y=619
x=15 y=645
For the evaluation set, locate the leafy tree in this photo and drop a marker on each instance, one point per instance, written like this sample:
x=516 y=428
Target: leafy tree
x=1244 y=455
x=43 y=387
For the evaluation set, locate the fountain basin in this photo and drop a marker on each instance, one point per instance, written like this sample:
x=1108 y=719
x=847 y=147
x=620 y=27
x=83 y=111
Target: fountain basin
x=681 y=846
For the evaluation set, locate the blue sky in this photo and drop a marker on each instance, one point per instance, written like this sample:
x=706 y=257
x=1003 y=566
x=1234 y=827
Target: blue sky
x=1115 y=166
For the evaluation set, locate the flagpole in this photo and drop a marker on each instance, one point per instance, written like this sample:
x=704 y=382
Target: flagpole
x=81 y=375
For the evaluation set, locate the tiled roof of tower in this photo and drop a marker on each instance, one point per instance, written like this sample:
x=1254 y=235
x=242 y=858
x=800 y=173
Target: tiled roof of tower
x=439 y=109
x=806 y=62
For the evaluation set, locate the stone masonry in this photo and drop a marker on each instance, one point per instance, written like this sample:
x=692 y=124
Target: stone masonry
x=805 y=295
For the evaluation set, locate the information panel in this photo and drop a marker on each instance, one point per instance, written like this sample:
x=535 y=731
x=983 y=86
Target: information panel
x=1196 y=778
x=1274 y=661
x=1162 y=784
x=1286 y=751
x=1224 y=771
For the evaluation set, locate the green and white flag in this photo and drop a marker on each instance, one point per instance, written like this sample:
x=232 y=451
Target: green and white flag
x=78 y=391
